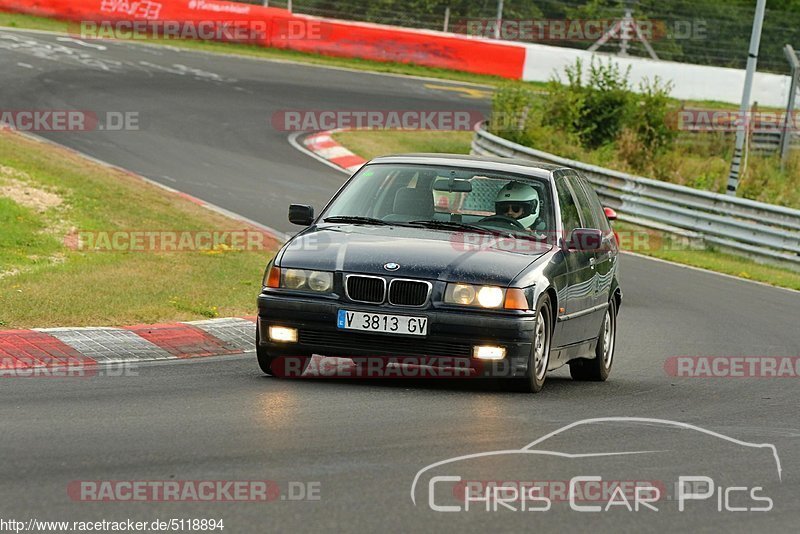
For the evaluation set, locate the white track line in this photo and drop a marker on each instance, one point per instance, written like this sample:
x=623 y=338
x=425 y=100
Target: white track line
x=708 y=271
x=271 y=60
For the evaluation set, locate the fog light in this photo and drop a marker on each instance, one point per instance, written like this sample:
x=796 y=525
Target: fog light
x=283 y=334
x=488 y=352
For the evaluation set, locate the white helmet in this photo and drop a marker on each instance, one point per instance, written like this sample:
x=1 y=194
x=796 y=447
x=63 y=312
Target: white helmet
x=520 y=198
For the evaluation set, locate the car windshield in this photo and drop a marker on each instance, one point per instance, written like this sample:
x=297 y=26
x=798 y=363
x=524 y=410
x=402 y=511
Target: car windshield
x=446 y=198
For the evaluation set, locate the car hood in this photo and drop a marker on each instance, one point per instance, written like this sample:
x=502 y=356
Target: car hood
x=420 y=253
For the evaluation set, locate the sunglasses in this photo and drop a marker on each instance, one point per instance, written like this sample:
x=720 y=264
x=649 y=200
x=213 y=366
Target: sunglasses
x=518 y=208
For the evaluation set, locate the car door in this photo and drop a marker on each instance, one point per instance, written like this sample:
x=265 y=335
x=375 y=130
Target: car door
x=606 y=257
x=591 y=217
x=573 y=323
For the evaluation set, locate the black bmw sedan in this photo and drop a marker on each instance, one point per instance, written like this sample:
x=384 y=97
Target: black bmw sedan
x=506 y=266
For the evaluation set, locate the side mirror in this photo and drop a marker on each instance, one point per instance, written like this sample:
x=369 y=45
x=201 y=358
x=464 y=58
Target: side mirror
x=585 y=239
x=611 y=215
x=301 y=214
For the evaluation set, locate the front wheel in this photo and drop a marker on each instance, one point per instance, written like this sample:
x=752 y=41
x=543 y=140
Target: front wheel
x=539 y=359
x=598 y=368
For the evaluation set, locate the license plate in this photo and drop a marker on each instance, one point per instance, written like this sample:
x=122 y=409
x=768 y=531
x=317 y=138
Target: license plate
x=380 y=322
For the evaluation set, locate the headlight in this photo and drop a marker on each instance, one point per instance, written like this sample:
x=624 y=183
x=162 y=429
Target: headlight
x=294 y=278
x=490 y=297
x=486 y=296
x=469 y=295
x=320 y=281
x=462 y=294
x=317 y=281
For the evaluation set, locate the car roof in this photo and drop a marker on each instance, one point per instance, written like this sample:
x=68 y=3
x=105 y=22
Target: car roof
x=535 y=168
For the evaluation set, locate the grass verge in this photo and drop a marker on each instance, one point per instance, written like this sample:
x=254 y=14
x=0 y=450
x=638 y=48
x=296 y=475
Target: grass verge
x=710 y=259
x=47 y=194
x=373 y=144
x=369 y=144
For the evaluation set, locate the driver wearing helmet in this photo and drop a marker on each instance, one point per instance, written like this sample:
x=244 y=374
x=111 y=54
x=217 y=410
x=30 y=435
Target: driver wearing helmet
x=518 y=201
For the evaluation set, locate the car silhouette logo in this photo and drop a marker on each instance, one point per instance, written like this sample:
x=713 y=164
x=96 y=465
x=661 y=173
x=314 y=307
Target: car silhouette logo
x=391 y=266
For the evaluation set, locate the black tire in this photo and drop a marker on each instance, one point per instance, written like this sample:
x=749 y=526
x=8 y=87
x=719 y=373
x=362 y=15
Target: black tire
x=539 y=358
x=266 y=360
x=598 y=368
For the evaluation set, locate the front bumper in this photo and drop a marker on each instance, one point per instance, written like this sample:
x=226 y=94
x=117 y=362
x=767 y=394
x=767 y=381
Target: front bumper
x=451 y=334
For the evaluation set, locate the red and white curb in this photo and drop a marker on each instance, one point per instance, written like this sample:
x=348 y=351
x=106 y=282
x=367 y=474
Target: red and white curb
x=45 y=348
x=323 y=146
x=59 y=347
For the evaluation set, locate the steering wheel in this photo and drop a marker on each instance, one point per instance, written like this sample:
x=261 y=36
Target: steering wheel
x=503 y=219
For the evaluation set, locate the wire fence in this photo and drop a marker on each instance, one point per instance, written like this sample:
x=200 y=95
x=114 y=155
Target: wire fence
x=710 y=32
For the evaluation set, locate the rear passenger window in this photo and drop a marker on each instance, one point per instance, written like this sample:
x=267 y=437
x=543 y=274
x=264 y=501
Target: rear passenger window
x=595 y=205
x=589 y=218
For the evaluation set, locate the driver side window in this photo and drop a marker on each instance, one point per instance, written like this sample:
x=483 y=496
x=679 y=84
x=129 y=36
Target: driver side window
x=569 y=210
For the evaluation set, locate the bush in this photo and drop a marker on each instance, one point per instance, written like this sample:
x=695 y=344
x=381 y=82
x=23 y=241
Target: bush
x=595 y=117
x=588 y=109
x=607 y=104
x=565 y=106
x=595 y=111
x=512 y=109
x=518 y=114
x=649 y=118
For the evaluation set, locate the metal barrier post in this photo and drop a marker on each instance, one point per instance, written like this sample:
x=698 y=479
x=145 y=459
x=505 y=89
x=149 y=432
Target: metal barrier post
x=786 y=134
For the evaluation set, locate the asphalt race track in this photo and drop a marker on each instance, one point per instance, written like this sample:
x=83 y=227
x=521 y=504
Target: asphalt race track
x=205 y=130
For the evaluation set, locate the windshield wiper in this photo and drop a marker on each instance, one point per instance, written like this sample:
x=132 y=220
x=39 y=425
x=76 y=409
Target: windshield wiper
x=449 y=225
x=356 y=219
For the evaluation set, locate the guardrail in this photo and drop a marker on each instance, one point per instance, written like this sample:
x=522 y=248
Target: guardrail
x=769 y=142
x=761 y=141
x=764 y=232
